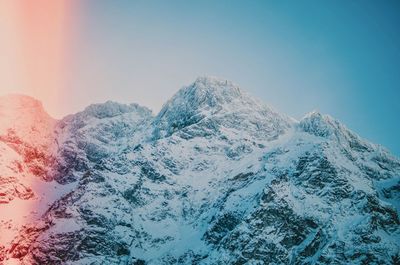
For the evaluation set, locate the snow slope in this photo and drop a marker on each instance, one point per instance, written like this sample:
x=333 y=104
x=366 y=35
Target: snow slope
x=27 y=146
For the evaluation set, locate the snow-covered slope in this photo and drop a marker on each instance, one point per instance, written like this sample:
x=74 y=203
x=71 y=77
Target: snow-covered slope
x=27 y=146
x=216 y=177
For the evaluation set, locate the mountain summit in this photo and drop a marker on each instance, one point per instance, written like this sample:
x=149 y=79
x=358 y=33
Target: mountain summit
x=216 y=177
x=211 y=104
x=208 y=92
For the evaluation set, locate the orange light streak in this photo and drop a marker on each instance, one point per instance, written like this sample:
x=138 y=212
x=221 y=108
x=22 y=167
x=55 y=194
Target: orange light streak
x=36 y=37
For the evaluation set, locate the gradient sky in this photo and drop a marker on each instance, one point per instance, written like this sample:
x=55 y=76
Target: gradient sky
x=338 y=57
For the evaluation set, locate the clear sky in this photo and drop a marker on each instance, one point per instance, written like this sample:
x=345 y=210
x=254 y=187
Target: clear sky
x=339 y=57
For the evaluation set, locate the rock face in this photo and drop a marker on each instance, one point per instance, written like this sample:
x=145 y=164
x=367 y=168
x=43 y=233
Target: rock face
x=216 y=177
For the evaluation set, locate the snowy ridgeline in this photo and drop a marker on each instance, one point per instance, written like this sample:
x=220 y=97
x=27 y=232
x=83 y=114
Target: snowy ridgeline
x=216 y=177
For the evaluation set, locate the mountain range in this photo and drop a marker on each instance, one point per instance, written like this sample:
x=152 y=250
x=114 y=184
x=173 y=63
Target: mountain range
x=216 y=177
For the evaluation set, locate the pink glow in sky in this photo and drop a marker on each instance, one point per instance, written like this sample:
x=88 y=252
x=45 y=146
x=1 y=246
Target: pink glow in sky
x=34 y=46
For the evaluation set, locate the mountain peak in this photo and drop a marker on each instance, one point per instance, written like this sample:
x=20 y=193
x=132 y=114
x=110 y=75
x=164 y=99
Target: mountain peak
x=18 y=101
x=209 y=91
x=111 y=109
x=318 y=124
x=205 y=93
x=221 y=103
x=24 y=117
x=325 y=126
x=313 y=114
x=216 y=84
x=18 y=110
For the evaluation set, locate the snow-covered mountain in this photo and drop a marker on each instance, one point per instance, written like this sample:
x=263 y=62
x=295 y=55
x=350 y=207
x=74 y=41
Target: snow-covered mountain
x=216 y=177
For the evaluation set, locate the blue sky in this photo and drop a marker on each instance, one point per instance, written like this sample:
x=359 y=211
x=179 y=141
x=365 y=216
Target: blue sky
x=339 y=57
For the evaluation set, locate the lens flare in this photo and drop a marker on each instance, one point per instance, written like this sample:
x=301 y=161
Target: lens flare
x=34 y=45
